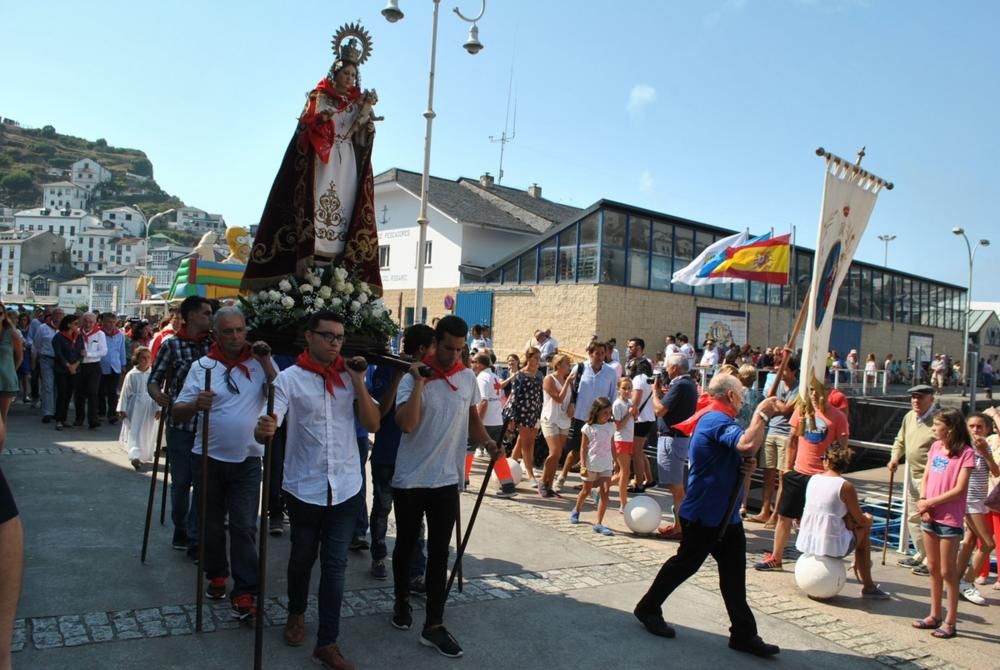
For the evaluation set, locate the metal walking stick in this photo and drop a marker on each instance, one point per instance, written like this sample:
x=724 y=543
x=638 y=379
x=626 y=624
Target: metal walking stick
x=888 y=517
x=152 y=480
x=258 y=635
x=203 y=508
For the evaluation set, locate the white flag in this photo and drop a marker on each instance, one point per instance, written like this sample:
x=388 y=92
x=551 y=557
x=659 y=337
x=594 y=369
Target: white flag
x=706 y=259
x=848 y=200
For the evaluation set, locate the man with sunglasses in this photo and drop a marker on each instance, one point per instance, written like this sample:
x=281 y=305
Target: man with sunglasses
x=235 y=401
x=319 y=398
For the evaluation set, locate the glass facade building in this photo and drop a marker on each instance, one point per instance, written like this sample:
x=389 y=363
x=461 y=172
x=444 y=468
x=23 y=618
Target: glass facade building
x=616 y=244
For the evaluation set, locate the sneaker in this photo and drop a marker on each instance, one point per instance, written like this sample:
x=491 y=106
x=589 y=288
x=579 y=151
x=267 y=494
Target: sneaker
x=402 y=619
x=755 y=646
x=971 y=593
x=358 y=544
x=418 y=585
x=921 y=571
x=439 y=638
x=506 y=491
x=655 y=624
x=876 y=594
x=331 y=658
x=59 y=425
x=244 y=607
x=574 y=517
x=542 y=490
x=533 y=483
x=276 y=526
x=379 y=570
x=560 y=485
x=769 y=564
x=908 y=562
x=602 y=529
x=180 y=541
x=216 y=588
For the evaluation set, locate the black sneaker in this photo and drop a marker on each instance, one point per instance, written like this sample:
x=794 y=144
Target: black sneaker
x=439 y=638
x=379 y=571
x=192 y=552
x=276 y=526
x=216 y=589
x=755 y=646
x=654 y=623
x=402 y=619
x=180 y=541
x=418 y=586
x=358 y=544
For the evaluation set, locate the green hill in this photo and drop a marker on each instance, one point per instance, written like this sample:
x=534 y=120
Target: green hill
x=28 y=154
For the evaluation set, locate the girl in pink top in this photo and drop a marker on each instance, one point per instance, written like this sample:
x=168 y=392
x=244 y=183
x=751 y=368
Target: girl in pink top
x=942 y=511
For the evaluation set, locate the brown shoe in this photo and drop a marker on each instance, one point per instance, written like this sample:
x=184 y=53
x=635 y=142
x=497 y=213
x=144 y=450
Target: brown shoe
x=295 y=630
x=330 y=657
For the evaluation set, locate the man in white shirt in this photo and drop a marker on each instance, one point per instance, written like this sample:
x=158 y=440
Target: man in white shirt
x=671 y=346
x=437 y=415
x=547 y=345
x=709 y=357
x=88 y=382
x=234 y=457
x=320 y=396
x=489 y=408
x=687 y=350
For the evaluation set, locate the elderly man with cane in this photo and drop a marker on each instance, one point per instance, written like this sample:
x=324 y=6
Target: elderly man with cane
x=717 y=454
x=235 y=401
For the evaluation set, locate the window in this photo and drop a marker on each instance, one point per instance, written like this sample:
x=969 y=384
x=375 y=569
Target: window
x=529 y=266
x=638 y=258
x=587 y=270
x=383 y=256
x=111 y=215
x=90 y=242
x=510 y=272
x=427 y=253
x=613 y=251
x=547 y=261
x=567 y=254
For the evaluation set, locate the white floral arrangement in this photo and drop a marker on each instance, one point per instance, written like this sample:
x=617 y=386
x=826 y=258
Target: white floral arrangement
x=332 y=289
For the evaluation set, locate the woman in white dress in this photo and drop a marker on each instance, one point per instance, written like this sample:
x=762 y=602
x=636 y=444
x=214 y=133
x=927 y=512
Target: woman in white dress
x=833 y=524
x=138 y=411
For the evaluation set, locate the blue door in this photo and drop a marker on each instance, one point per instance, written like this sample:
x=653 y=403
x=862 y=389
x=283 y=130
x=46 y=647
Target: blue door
x=844 y=336
x=475 y=307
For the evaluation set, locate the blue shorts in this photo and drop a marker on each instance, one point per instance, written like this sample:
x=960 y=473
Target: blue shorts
x=671 y=459
x=941 y=530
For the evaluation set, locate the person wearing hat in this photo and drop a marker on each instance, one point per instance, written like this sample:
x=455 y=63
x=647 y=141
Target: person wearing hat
x=913 y=442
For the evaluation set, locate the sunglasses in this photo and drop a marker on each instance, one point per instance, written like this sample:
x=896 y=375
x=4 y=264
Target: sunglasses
x=227 y=376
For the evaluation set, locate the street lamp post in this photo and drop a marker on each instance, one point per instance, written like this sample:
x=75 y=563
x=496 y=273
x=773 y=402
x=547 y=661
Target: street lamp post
x=968 y=303
x=393 y=13
x=887 y=239
x=149 y=226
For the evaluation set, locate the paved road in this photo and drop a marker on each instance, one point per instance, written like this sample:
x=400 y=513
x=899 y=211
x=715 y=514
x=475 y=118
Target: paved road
x=538 y=592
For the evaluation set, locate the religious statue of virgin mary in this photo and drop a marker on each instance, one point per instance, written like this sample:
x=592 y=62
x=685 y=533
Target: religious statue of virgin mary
x=321 y=207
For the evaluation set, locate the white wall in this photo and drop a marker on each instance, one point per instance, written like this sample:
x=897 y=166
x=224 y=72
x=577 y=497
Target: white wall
x=126 y=218
x=63 y=195
x=485 y=246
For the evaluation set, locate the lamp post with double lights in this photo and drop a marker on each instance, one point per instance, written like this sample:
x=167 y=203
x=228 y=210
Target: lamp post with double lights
x=392 y=14
x=887 y=239
x=968 y=302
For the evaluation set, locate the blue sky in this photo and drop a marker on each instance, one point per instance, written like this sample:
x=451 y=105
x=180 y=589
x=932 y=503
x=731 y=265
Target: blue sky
x=709 y=110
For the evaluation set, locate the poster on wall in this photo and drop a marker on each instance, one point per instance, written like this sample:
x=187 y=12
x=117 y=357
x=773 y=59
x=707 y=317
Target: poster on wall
x=725 y=327
x=922 y=343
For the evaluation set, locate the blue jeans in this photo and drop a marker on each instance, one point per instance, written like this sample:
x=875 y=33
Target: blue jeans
x=47 y=384
x=381 y=506
x=233 y=489
x=183 y=514
x=361 y=527
x=328 y=531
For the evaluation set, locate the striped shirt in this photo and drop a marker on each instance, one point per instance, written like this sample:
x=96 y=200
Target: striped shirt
x=177 y=354
x=979 y=480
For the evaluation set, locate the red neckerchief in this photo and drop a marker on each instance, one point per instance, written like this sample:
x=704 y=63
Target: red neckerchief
x=325 y=86
x=688 y=425
x=438 y=373
x=330 y=373
x=88 y=333
x=112 y=332
x=216 y=353
x=182 y=333
x=72 y=339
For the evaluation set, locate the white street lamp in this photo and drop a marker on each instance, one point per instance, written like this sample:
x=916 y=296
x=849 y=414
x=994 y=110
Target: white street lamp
x=968 y=302
x=149 y=226
x=887 y=239
x=393 y=13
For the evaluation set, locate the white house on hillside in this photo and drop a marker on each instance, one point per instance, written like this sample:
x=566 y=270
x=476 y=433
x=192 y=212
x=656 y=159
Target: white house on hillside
x=128 y=252
x=22 y=254
x=114 y=291
x=63 y=194
x=127 y=218
x=94 y=248
x=74 y=292
x=194 y=220
x=65 y=223
x=88 y=173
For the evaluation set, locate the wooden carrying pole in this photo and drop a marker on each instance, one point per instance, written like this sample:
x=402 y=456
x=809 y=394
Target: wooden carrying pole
x=265 y=494
x=152 y=480
x=202 y=509
x=166 y=478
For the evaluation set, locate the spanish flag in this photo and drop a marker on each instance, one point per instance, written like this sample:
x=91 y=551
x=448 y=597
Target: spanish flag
x=764 y=259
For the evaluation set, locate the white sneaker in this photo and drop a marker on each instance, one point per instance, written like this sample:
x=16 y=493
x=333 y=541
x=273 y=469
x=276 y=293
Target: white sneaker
x=480 y=452
x=971 y=593
x=559 y=485
x=533 y=483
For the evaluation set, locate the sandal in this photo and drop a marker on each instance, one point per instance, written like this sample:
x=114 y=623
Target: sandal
x=942 y=633
x=927 y=623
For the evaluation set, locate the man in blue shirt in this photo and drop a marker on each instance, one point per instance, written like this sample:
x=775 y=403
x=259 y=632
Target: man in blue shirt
x=112 y=365
x=717 y=450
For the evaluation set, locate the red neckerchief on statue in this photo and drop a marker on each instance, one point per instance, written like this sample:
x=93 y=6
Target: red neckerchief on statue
x=198 y=339
x=438 y=373
x=318 y=130
x=325 y=86
x=330 y=373
x=216 y=353
x=688 y=425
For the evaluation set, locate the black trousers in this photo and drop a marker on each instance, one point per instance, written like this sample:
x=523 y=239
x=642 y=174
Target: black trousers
x=107 y=396
x=88 y=384
x=697 y=543
x=440 y=506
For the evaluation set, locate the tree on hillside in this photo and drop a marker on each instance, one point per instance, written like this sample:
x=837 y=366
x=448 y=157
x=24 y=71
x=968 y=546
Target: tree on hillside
x=142 y=167
x=18 y=187
x=48 y=131
x=101 y=142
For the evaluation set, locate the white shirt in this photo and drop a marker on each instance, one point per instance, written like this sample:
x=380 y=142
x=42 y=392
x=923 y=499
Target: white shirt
x=619 y=410
x=234 y=415
x=321 y=452
x=671 y=349
x=710 y=357
x=616 y=366
x=688 y=351
x=556 y=412
x=548 y=349
x=489 y=390
x=95 y=347
x=433 y=455
x=648 y=412
x=599 y=450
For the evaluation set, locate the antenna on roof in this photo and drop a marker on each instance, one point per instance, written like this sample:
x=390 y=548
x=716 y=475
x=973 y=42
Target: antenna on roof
x=504 y=137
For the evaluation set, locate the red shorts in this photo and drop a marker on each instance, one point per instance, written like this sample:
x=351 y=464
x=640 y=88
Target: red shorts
x=623 y=447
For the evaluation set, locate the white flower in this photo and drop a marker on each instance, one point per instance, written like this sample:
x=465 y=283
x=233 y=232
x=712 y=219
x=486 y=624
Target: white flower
x=362 y=298
x=377 y=309
x=340 y=274
x=306 y=288
x=348 y=287
x=336 y=302
x=319 y=302
x=315 y=281
x=355 y=306
x=273 y=295
x=325 y=292
x=285 y=285
x=262 y=295
x=339 y=287
x=288 y=302
x=364 y=288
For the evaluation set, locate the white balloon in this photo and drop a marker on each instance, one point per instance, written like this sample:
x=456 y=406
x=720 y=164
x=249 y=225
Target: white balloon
x=516 y=473
x=642 y=515
x=820 y=577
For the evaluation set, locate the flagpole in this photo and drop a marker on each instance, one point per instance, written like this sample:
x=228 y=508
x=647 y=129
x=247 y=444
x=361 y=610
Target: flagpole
x=793 y=274
x=746 y=307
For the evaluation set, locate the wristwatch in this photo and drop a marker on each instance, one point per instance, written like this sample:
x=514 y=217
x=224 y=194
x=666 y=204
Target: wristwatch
x=764 y=416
